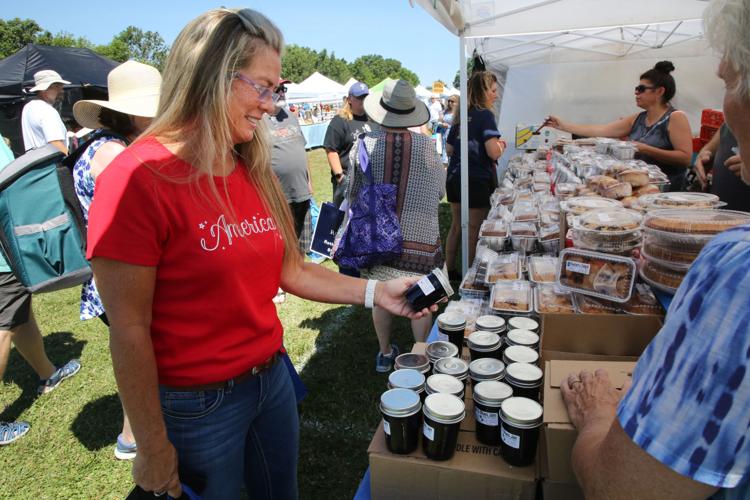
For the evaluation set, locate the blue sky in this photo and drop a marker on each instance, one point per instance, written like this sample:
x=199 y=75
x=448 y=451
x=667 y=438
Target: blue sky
x=391 y=28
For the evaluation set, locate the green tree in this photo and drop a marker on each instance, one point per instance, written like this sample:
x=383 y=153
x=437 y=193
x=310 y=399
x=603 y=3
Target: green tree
x=133 y=43
x=297 y=63
x=64 y=39
x=333 y=67
x=16 y=33
x=372 y=69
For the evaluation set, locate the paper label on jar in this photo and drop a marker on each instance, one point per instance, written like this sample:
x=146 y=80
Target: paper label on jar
x=428 y=432
x=386 y=427
x=426 y=285
x=577 y=267
x=510 y=439
x=486 y=417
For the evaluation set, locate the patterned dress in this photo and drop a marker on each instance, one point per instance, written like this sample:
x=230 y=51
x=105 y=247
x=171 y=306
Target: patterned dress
x=91 y=304
x=411 y=162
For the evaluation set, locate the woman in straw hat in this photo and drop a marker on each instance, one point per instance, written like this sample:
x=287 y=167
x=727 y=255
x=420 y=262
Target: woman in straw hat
x=408 y=160
x=133 y=100
x=190 y=237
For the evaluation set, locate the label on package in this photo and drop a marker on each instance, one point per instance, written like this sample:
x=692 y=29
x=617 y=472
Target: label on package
x=486 y=417
x=577 y=267
x=603 y=217
x=519 y=286
x=386 y=427
x=510 y=439
x=426 y=285
x=428 y=432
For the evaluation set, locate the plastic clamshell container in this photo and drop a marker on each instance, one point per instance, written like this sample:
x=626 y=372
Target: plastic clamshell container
x=667 y=254
x=597 y=274
x=551 y=299
x=586 y=304
x=503 y=196
x=695 y=222
x=525 y=212
x=623 y=150
x=661 y=278
x=680 y=200
x=542 y=269
x=506 y=266
x=619 y=244
x=494 y=233
x=471 y=287
x=643 y=301
x=511 y=297
x=609 y=221
x=580 y=204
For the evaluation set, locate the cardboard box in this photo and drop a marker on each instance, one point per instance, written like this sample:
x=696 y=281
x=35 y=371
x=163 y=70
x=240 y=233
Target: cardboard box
x=559 y=435
x=548 y=136
x=552 y=490
x=605 y=337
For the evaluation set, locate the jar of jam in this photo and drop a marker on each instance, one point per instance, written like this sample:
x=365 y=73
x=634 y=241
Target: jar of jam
x=520 y=419
x=525 y=338
x=487 y=397
x=522 y=323
x=455 y=367
x=484 y=345
x=490 y=323
x=443 y=414
x=429 y=290
x=525 y=380
x=406 y=378
x=440 y=349
x=413 y=361
x=445 y=384
x=484 y=369
x=401 y=419
x=520 y=354
x=453 y=325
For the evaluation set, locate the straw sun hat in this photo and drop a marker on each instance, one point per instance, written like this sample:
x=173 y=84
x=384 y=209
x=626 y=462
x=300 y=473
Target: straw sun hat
x=396 y=106
x=133 y=89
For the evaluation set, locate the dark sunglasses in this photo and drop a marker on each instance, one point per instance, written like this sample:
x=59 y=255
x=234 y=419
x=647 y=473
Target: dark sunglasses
x=281 y=89
x=640 y=89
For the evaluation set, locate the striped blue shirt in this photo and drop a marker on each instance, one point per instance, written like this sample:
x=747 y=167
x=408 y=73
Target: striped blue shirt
x=689 y=406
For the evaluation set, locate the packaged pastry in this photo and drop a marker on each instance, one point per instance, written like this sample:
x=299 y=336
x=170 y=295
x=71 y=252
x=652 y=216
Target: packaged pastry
x=511 y=297
x=598 y=274
x=580 y=204
x=609 y=221
x=597 y=181
x=542 y=178
x=505 y=266
x=660 y=277
x=565 y=190
x=471 y=287
x=614 y=244
x=502 y=196
x=543 y=268
x=551 y=299
x=634 y=177
x=525 y=212
x=615 y=190
x=680 y=200
x=493 y=234
x=694 y=221
x=643 y=301
x=630 y=202
x=623 y=150
x=647 y=189
x=676 y=256
x=541 y=187
x=593 y=305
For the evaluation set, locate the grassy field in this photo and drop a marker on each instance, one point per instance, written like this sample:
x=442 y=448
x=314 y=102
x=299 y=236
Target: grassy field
x=69 y=451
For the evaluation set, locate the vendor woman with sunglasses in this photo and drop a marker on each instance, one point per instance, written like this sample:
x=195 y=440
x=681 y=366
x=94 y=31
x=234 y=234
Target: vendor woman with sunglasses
x=660 y=132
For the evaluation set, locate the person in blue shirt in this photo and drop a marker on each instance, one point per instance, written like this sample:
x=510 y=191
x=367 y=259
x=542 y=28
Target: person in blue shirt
x=681 y=430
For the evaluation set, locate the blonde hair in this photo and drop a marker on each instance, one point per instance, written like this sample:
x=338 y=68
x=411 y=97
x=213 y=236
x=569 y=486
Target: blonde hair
x=456 y=110
x=728 y=25
x=194 y=106
x=346 y=110
x=479 y=86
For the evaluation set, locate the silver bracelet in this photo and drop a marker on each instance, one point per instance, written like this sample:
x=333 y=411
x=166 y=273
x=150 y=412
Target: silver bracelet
x=370 y=294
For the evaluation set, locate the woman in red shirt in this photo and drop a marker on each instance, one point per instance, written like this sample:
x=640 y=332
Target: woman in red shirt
x=190 y=237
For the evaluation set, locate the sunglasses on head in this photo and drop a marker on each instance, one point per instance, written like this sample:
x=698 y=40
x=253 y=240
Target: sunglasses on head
x=640 y=89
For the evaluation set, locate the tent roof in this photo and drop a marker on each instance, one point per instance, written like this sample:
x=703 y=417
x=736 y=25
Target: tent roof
x=316 y=87
x=378 y=87
x=81 y=67
x=350 y=82
x=422 y=91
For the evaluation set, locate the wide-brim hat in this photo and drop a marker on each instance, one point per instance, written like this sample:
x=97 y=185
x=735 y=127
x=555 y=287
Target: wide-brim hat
x=133 y=90
x=46 y=77
x=396 y=106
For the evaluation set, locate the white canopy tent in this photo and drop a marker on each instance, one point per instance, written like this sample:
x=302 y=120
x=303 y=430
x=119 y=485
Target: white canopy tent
x=579 y=59
x=422 y=92
x=315 y=88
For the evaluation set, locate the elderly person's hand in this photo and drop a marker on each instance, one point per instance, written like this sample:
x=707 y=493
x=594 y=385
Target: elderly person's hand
x=734 y=164
x=703 y=158
x=391 y=296
x=591 y=399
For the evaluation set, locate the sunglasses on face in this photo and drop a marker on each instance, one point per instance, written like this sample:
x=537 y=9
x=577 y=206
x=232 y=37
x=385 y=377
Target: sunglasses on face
x=281 y=89
x=264 y=93
x=640 y=89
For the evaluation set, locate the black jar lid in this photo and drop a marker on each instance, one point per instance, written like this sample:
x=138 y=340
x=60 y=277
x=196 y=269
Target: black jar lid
x=452 y=366
x=521 y=323
x=490 y=323
x=400 y=402
x=487 y=369
x=524 y=375
x=520 y=354
x=451 y=321
x=406 y=378
x=491 y=392
x=444 y=408
x=440 y=349
x=522 y=337
x=446 y=384
x=523 y=413
x=484 y=341
x=418 y=362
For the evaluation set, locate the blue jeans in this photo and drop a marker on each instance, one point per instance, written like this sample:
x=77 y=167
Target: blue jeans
x=247 y=432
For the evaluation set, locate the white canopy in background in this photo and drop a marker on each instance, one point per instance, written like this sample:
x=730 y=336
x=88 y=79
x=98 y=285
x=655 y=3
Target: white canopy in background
x=422 y=92
x=579 y=59
x=315 y=88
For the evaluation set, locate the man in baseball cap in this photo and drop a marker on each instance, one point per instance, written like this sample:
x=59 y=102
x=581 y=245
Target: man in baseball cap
x=359 y=89
x=40 y=122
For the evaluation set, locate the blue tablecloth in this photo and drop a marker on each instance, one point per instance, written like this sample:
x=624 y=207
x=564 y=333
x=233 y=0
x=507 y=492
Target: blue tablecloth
x=314 y=134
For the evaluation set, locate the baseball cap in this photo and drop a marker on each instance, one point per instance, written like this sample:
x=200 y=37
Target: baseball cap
x=282 y=81
x=358 y=89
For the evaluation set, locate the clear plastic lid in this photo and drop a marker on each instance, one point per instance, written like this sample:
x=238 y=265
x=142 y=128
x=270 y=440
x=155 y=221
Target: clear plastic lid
x=661 y=278
x=606 y=243
x=591 y=305
x=523 y=212
x=694 y=221
x=643 y=301
x=680 y=200
x=542 y=268
x=472 y=287
x=511 y=296
x=549 y=232
x=551 y=299
x=523 y=229
x=609 y=221
x=669 y=254
x=598 y=274
x=580 y=204
x=505 y=266
x=494 y=227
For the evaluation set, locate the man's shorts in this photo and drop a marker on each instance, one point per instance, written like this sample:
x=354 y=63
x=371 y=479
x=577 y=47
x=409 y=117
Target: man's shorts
x=15 y=302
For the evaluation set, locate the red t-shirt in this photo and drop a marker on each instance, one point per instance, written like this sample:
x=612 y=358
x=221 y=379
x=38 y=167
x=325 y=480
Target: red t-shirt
x=217 y=273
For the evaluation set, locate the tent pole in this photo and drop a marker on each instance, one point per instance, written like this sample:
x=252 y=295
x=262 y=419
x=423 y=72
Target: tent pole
x=464 y=146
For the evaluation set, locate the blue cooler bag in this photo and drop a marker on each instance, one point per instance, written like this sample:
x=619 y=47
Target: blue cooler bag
x=42 y=232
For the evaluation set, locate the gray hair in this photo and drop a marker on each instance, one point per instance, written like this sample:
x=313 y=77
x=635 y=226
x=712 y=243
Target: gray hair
x=728 y=28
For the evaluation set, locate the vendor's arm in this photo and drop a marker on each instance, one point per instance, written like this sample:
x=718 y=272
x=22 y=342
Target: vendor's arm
x=127 y=293
x=616 y=129
x=704 y=158
x=335 y=163
x=333 y=143
x=681 y=139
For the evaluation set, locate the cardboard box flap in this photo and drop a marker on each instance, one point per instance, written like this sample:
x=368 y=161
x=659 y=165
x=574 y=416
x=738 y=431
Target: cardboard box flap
x=618 y=371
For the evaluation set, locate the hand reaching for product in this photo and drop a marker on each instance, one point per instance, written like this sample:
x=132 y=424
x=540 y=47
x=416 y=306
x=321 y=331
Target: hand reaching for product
x=591 y=399
x=556 y=122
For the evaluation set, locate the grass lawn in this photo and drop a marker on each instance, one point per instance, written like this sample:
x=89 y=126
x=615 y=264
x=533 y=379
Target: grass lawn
x=69 y=451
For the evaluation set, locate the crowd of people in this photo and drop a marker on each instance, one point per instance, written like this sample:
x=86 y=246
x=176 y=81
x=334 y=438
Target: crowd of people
x=202 y=169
